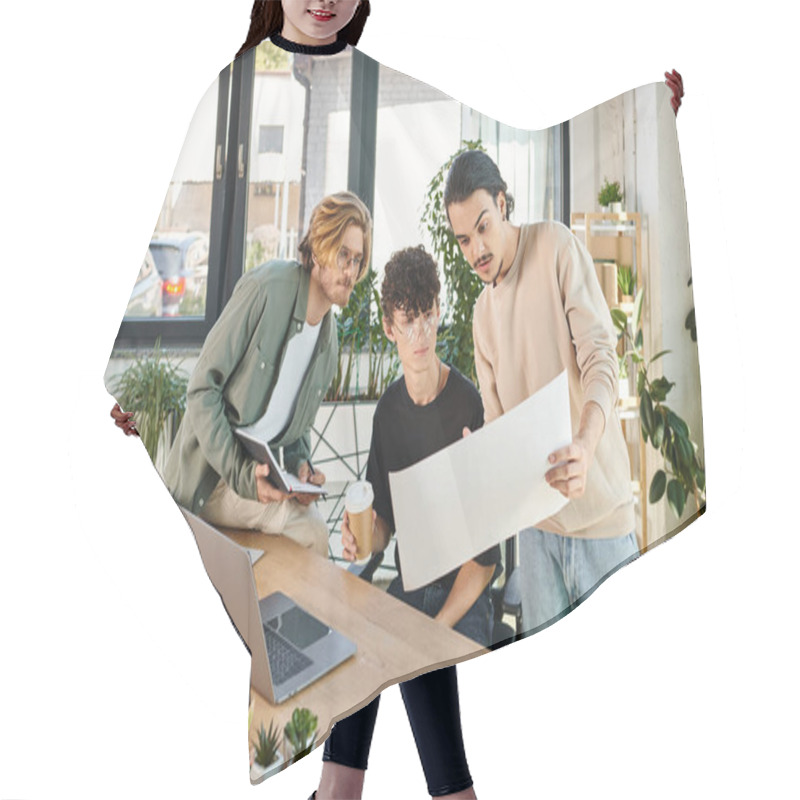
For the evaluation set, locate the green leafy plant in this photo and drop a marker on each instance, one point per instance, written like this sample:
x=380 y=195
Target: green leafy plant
x=154 y=389
x=609 y=193
x=462 y=285
x=301 y=731
x=690 y=323
x=683 y=475
x=625 y=280
x=360 y=331
x=267 y=744
x=271 y=58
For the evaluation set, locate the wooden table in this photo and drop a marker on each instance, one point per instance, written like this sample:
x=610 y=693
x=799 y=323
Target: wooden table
x=394 y=641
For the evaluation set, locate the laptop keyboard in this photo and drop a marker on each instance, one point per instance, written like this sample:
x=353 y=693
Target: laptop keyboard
x=285 y=660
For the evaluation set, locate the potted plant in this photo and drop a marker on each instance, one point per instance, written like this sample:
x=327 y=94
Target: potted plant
x=610 y=196
x=301 y=732
x=683 y=475
x=625 y=284
x=362 y=341
x=154 y=389
x=462 y=286
x=367 y=364
x=267 y=758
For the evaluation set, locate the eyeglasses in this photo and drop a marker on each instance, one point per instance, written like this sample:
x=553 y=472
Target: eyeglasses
x=420 y=328
x=345 y=258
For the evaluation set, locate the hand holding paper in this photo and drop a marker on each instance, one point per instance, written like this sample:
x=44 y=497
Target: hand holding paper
x=572 y=462
x=481 y=490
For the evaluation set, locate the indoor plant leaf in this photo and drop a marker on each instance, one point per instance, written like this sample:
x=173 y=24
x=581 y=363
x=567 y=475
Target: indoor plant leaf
x=657 y=486
x=660 y=388
x=676 y=497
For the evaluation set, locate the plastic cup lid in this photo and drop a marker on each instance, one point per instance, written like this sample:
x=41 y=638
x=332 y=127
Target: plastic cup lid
x=359 y=496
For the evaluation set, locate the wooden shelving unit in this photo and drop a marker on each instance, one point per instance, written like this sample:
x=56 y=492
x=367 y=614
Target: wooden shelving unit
x=614 y=240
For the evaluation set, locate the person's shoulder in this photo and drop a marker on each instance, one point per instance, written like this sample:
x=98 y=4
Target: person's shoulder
x=275 y=271
x=465 y=387
x=390 y=398
x=270 y=275
x=549 y=229
x=480 y=304
x=462 y=382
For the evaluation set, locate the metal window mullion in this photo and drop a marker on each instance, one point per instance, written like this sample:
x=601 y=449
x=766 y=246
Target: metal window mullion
x=237 y=165
x=178 y=331
x=363 y=128
x=563 y=173
x=218 y=231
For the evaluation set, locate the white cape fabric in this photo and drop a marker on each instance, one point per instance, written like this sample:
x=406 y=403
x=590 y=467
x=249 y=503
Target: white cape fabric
x=265 y=146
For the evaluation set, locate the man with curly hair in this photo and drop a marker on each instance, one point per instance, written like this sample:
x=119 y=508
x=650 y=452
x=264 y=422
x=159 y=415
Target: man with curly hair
x=420 y=413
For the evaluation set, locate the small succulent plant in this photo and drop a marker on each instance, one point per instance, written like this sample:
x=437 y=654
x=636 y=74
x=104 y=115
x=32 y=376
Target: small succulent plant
x=625 y=281
x=267 y=744
x=301 y=730
x=609 y=193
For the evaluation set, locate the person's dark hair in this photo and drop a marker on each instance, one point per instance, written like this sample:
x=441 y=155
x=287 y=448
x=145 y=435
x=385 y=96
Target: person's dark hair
x=410 y=283
x=473 y=170
x=266 y=18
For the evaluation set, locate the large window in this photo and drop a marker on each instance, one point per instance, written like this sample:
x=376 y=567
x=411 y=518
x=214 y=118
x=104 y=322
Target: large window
x=174 y=275
x=277 y=132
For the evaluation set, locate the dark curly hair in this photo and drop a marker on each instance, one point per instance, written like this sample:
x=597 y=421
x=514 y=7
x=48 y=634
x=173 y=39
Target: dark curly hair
x=266 y=18
x=410 y=283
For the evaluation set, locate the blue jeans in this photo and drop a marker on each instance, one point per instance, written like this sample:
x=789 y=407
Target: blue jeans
x=557 y=573
x=476 y=624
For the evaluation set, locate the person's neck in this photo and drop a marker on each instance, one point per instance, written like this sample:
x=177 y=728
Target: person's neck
x=292 y=34
x=314 y=48
x=424 y=386
x=510 y=253
x=318 y=305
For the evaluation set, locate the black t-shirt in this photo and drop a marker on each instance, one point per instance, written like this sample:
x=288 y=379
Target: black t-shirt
x=404 y=433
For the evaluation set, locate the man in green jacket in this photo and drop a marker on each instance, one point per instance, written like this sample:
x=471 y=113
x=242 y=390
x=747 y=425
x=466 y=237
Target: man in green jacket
x=267 y=363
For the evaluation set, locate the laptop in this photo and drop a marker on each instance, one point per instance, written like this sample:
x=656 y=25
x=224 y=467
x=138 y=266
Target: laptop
x=290 y=648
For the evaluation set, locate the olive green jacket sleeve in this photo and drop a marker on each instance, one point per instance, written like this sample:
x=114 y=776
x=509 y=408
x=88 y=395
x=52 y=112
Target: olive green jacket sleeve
x=223 y=354
x=233 y=379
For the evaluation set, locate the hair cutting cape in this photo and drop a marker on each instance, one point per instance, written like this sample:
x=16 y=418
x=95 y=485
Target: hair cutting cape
x=607 y=298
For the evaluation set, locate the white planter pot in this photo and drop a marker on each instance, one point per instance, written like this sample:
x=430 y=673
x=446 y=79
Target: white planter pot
x=259 y=773
x=616 y=208
x=309 y=742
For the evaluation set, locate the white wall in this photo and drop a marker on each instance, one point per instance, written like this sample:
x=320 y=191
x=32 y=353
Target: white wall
x=632 y=138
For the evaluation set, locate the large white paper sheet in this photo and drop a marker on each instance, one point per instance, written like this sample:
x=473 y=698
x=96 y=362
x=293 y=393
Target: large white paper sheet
x=481 y=490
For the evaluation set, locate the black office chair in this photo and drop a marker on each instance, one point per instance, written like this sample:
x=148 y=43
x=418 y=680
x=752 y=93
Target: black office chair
x=506 y=601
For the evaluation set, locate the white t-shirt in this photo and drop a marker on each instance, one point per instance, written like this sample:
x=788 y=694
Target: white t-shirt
x=284 y=396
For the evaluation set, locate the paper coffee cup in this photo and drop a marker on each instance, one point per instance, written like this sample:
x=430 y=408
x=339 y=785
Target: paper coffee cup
x=358 y=504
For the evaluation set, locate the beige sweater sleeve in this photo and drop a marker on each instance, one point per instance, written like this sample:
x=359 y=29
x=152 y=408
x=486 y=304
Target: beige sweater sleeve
x=487 y=382
x=590 y=325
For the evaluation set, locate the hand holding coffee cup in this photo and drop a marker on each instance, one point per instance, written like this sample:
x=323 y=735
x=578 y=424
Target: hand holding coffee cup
x=349 y=544
x=359 y=522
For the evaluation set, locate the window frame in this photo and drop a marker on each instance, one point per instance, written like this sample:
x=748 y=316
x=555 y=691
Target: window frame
x=228 y=223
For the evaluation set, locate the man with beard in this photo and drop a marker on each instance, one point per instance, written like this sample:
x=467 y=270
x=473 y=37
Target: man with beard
x=267 y=363
x=542 y=311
